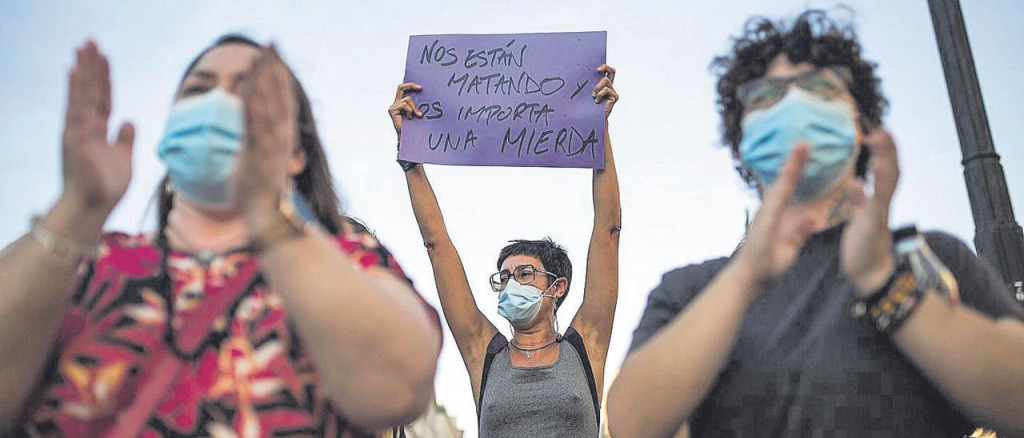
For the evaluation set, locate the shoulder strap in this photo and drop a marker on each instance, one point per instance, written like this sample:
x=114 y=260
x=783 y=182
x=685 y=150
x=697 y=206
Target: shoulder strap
x=576 y=341
x=498 y=343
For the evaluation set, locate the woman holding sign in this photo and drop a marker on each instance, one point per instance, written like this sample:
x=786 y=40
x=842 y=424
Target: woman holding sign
x=248 y=312
x=539 y=383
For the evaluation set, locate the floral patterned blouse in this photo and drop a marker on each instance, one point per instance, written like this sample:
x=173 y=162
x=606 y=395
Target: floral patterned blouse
x=247 y=375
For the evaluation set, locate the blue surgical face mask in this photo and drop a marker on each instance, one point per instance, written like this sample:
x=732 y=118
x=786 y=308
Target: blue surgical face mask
x=202 y=137
x=519 y=303
x=826 y=125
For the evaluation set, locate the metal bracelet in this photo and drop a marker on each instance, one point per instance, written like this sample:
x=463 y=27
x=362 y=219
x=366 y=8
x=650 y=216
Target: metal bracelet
x=59 y=246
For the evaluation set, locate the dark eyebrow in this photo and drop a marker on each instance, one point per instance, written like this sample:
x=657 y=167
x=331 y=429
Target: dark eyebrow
x=241 y=76
x=203 y=74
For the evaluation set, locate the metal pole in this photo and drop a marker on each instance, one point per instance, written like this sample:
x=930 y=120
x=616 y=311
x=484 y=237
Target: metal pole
x=998 y=238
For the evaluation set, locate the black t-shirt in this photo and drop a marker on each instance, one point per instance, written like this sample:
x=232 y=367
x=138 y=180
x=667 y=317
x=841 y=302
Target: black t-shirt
x=804 y=367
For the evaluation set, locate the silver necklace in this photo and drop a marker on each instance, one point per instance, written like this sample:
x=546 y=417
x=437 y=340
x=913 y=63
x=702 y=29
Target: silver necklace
x=205 y=256
x=529 y=351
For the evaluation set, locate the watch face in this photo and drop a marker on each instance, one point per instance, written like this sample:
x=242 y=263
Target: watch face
x=302 y=207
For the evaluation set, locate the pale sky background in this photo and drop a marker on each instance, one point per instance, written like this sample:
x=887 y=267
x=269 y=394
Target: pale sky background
x=682 y=202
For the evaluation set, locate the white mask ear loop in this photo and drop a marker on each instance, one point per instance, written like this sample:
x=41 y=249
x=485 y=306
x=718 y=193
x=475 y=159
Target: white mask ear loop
x=554 y=316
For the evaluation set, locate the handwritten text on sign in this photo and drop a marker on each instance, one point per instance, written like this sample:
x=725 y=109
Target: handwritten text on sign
x=506 y=100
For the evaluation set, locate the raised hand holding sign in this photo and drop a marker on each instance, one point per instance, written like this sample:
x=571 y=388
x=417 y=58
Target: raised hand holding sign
x=505 y=100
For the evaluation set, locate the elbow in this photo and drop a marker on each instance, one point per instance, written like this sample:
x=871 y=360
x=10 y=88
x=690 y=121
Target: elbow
x=413 y=403
x=416 y=392
x=387 y=394
x=9 y=412
x=622 y=420
x=403 y=407
x=376 y=401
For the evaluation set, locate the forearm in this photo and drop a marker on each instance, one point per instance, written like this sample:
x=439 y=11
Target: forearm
x=371 y=338
x=425 y=207
x=602 y=285
x=36 y=284
x=464 y=319
x=974 y=361
x=596 y=314
x=607 y=207
x=662 y=382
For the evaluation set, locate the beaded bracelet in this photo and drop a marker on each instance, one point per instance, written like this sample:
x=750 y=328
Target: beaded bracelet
x=892 y=305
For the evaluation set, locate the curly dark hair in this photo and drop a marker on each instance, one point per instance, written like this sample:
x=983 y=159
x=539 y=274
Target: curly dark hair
x=552 y=255
x=813 y=37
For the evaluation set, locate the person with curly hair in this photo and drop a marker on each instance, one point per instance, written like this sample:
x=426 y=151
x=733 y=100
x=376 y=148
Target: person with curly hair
x=818 y=324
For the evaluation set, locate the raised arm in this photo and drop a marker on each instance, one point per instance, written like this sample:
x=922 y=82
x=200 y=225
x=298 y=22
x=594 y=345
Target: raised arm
x=373 y=341
x=984 y=379
x=601 y=291
x=37 y=272
x=471 y=330
x=663 y=381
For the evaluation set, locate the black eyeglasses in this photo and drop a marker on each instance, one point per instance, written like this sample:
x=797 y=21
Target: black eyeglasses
x=828 y=82
x=523 y=274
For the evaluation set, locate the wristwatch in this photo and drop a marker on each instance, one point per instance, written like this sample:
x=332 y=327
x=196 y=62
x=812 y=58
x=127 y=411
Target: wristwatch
x=930 y=272
x=294 y=219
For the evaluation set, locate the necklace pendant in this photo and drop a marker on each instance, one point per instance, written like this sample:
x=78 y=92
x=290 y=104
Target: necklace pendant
x=528 y=353
x=205 y=257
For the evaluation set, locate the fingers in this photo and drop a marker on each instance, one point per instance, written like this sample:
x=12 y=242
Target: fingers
x=97 y=80
x=604 y=91
x=103 y=82
x=603 y=83
x=405 y=107
x=855 y=195
x=781 y=192
x=270 y=110
x=608 y=71
x=76 y=100
x=125 y=137
x=884 y=166
x=607 y=93
x=796 y=231
x=408 y=86
x=88 y=97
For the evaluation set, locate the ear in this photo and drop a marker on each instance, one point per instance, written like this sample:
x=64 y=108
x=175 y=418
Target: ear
x=297 y=161
x=561 y=287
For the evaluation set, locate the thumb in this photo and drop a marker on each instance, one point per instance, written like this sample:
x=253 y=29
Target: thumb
x=855 y=195
x=125 y=137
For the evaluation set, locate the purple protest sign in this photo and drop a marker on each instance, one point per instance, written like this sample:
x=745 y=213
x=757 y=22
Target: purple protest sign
x=506 y=100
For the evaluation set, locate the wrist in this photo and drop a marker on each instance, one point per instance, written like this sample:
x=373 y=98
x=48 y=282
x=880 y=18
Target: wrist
x=290 y=218
x=75 y=221
x=404 y=164
x=745 y=280
x=872 y=280
x=258 y=215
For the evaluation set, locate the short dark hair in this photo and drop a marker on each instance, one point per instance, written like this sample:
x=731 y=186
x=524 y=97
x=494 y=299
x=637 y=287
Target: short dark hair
x=551 y=254
x=814 y=38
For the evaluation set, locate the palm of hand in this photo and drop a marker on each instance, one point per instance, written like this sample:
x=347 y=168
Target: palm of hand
x=866 y=247
x=271 y=134
x=96 y=172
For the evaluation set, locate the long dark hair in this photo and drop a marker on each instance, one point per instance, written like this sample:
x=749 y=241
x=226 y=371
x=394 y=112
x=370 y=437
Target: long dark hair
x=314 y=182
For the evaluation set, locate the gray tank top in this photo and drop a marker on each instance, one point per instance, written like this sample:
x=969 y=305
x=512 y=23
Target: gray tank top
x=554 y=400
